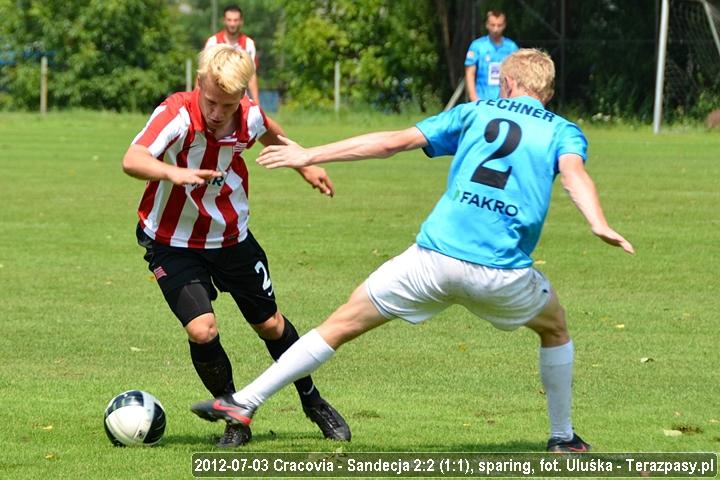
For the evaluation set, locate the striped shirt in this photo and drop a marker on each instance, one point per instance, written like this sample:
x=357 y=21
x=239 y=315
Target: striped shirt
x=213 y=215
x=243 y=43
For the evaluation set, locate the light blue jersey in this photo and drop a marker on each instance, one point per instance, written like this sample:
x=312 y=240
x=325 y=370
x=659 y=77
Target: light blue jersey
x=487 y=57
x=500 y=181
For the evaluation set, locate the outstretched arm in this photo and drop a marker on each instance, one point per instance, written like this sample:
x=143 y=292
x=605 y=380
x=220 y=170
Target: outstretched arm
x=315 y=176
x=581 y=189
x=138 y=162
x=371 y=145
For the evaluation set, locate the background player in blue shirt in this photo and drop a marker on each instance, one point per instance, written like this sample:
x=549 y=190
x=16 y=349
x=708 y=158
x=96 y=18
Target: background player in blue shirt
x=474 y=248
x=483 y=59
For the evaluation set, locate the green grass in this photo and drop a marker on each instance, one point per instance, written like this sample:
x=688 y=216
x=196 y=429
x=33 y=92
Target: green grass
x=82 y=319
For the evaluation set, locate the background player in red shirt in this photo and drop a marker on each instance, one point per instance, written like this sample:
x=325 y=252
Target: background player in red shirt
x=233 y=20
x=194 y=222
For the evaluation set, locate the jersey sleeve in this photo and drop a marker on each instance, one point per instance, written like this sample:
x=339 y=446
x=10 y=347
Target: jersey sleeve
x=571 y=140
x=442 y=132
x=471 y=57
x=252 y=50
x=166 y=124
x=257 y=122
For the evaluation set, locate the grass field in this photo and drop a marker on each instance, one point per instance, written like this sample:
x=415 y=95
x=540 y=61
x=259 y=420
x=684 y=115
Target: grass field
x=82 y=319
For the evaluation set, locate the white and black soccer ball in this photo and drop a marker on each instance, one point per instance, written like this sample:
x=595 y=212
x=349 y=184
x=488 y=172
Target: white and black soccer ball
x=134 y=418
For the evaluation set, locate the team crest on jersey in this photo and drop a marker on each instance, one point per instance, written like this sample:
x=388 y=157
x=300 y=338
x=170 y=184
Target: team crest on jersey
x=487 y=58
x=239 y=147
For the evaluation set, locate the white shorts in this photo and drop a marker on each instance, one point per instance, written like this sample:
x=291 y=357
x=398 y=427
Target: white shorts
x=420 y=283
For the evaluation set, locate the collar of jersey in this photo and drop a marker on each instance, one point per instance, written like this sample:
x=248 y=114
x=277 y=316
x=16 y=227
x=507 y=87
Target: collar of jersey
x=209 y=137
x=528 y=99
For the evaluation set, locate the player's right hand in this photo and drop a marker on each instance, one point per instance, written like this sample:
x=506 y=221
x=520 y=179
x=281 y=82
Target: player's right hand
x=290 y=154
x=191 y=176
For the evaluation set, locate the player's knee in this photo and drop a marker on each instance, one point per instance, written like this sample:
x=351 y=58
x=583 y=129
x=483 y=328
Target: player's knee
x=272 y=328
x=557 y=326
x=202 y=329
x=550 y=323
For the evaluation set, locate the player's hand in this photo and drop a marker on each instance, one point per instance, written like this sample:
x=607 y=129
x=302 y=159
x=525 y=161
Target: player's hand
x=290 y=154
x=318 y=178
x=611 y=237
x=191 y=176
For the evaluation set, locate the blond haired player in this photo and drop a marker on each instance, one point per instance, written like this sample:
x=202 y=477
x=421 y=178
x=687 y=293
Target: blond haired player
x=231 y=34
x=193 y=222
x=474 y=248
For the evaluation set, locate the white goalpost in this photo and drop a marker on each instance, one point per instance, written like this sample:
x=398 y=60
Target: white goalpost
x=688 y=59
x=660 y=70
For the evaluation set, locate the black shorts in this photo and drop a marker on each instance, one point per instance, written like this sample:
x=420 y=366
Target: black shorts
x=241 y=270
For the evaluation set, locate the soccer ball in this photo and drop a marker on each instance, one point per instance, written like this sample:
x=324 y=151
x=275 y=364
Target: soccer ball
x=134 y=418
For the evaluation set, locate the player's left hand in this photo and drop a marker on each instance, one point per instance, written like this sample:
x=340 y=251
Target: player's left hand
x=318 y=178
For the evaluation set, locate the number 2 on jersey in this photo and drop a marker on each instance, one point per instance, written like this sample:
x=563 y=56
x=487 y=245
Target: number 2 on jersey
x=488 y=176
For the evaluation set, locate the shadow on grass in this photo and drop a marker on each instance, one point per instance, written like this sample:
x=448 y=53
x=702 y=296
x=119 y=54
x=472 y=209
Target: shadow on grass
x=258 y=438
x=516 y=446
x=311 y=441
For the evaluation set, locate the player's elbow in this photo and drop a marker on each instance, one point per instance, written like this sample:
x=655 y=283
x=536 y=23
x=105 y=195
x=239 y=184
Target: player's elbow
x=386 y=149
x=131 y=165
x=128 y=164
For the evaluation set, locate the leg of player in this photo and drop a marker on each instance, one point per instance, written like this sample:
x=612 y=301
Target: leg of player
x=556 y=367
x=354 y=318
x=208 y=356
x=214 y=369
x=280 y=334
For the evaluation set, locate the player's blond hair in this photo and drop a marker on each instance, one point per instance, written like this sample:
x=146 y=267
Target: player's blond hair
x=230 y=69
x=533 y=70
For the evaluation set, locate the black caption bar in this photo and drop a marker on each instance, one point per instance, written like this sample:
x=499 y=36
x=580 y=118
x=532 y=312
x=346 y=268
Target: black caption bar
x=453 y=464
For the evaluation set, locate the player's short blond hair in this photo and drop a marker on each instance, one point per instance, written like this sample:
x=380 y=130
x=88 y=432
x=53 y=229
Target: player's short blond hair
x=230 y=69
x=533 y=70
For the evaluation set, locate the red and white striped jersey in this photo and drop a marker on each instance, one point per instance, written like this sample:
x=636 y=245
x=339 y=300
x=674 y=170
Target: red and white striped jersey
x=243 y=43
x=213 y=215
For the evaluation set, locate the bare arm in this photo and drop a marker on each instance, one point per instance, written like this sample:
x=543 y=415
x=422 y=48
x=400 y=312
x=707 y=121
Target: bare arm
x=138 y=162
x=470 y=73
x=581 y=189
x=315 y=176
x=254 y=90
x=371 y=145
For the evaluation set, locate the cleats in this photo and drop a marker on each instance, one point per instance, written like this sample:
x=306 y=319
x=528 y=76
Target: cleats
x=331 y=423
x=239 y=417
x=236 y=435
x=574 y=445
x=224 y=408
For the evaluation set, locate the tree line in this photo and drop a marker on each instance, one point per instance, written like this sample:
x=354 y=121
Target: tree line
x=127 y=55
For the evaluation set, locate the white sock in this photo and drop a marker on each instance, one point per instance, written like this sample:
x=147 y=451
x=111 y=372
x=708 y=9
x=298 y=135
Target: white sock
x=305 y=356
x=556 y=367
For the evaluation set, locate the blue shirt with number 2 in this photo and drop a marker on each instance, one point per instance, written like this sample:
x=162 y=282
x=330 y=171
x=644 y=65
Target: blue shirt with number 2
x=500 y=181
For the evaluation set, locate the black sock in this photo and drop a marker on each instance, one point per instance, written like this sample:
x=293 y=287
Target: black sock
x=309 y=395
x=213 y=366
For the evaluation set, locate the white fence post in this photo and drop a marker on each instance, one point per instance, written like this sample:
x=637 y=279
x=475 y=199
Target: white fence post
x=337 y=87
x=43 y=85
x=188 y=75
